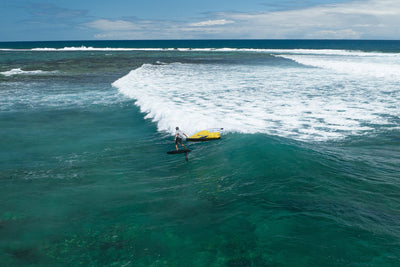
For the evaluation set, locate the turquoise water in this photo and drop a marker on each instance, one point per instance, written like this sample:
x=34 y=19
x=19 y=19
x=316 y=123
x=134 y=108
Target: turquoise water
x=306 y=172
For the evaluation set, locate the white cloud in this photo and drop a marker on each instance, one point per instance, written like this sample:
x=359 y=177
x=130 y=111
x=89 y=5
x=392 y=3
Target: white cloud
x=109 y=25
x=211 y=23
x=356 y=19
x=327 y=34
x=370 y=19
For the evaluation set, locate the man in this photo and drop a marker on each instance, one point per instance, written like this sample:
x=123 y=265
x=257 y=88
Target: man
x=178 y=138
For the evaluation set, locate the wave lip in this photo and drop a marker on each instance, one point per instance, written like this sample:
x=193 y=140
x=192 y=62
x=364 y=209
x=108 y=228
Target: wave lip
x=19 y=71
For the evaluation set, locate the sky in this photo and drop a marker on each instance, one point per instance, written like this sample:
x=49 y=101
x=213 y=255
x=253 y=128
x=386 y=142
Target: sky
x=40 y=20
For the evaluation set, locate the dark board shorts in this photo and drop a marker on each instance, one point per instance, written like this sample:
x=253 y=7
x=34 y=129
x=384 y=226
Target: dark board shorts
x=178 y=140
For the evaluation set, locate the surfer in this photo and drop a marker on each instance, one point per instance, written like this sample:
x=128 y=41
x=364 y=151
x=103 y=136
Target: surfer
x=178 y=138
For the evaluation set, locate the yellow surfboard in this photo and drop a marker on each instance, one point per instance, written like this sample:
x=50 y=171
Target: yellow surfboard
x=205 y=135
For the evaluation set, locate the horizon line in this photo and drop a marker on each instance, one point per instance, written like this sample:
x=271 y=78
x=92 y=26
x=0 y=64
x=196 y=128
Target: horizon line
x=222 y=39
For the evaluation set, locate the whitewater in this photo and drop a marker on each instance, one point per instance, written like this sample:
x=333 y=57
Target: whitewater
x=311 y=95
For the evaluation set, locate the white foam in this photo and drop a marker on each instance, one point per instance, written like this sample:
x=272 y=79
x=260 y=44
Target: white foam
x=19 y=71
x=382 y=65
x=300 y=103
x=90 y=48
x=84 y=48
x=338 y=52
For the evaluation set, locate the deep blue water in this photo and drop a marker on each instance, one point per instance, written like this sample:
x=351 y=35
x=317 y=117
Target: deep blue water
x=306 y=172
x=365 y=45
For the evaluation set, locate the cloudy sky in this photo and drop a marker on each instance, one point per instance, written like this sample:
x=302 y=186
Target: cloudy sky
x=33 y=20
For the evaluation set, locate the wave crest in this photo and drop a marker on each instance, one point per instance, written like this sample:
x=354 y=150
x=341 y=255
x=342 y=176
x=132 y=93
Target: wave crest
x=19 y=71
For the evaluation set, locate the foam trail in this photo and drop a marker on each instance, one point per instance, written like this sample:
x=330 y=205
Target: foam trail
x=19 y=71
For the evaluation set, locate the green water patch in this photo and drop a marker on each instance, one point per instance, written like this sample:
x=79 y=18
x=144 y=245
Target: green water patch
x=244 y=200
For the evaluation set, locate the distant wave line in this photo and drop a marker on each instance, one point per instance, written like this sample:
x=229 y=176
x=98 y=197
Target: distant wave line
x=226 y=49
x=19 y=71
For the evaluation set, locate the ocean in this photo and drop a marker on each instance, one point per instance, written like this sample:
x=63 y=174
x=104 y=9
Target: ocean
x=306 y=173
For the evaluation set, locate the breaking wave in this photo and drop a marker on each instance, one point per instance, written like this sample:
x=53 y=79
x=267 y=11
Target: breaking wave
x=311 y=104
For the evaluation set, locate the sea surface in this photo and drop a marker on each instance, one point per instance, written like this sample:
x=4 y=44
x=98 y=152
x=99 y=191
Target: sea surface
x=307 y=172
